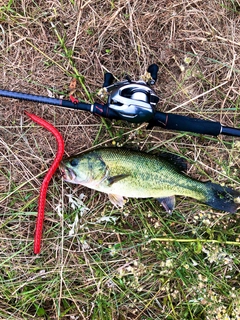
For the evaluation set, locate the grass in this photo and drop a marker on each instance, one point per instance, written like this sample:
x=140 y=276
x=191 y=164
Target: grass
x=98 y=262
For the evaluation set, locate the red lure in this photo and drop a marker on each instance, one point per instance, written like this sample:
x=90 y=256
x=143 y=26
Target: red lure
x=47 y=178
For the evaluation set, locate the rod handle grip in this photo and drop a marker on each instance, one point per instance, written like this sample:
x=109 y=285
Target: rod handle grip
x=177 y=122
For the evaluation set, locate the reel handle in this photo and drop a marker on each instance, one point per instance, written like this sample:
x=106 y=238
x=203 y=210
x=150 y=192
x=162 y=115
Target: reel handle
x=153 y=70
x=108 y=79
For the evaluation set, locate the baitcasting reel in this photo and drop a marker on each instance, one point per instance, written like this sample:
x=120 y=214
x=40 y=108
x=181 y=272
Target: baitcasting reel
x=133 y=101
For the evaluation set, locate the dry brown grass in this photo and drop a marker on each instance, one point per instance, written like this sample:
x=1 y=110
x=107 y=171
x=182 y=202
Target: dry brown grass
x=42 y=45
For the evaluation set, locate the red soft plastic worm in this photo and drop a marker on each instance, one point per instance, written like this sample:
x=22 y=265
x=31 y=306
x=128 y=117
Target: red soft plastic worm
x=46 y=180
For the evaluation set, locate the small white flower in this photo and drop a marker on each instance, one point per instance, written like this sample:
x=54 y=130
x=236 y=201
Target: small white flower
x=106 y=219
x=169 y=263
x=59 y=210
x=77 y=203
x=74 y=226
x=85 y=245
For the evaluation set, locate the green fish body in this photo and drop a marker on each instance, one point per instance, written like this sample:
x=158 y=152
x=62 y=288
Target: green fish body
x=123 y=173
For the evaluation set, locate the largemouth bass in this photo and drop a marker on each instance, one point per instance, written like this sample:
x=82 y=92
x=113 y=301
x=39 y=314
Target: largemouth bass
x=123 y=173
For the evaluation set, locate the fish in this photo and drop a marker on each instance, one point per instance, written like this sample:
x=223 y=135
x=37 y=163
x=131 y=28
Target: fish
x=124 y=173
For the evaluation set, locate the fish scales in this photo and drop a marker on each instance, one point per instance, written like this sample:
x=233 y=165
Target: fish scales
x=148 y=175
x=124 y=173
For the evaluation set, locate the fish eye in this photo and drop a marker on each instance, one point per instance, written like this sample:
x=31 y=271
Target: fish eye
x=74 y=162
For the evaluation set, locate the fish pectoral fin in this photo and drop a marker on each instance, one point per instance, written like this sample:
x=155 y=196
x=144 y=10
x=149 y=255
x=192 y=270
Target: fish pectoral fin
x=112 y=180
x=168 y=203
x=116 y=200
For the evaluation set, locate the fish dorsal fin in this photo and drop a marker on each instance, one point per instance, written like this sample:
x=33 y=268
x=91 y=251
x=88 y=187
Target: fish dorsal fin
x=179 y=162
x=116 y=200
x=168 y=203
x=112 y=180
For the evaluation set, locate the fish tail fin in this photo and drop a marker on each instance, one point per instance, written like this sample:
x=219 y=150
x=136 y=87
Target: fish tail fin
x=222 y=198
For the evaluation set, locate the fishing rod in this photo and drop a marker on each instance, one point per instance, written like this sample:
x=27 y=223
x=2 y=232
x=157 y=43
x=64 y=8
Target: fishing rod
x=132 y=101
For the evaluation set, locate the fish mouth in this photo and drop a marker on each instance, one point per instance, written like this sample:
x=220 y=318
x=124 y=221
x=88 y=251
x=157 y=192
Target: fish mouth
x=67 y=173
